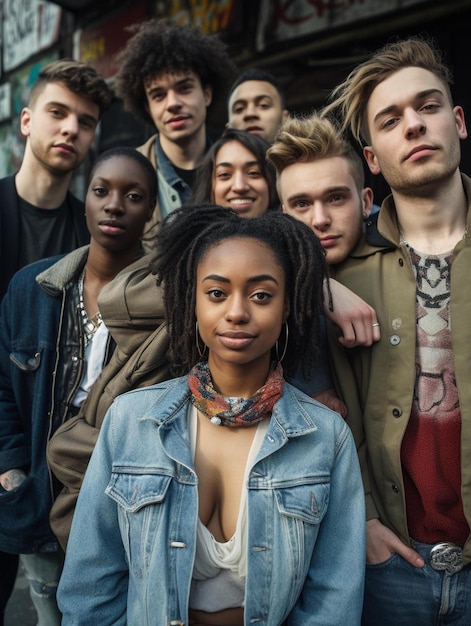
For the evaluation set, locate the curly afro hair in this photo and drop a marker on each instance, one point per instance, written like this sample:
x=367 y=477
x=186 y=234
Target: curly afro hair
x=159 y=46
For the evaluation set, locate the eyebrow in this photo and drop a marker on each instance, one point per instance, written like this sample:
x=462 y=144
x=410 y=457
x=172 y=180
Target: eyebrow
x=184 y=80
x=252 y=279
x=418 y=96
x=301 y=196
x=103 y=179
x=246 y=164
x=178 y=83
x=64 y=106
x=256 y=98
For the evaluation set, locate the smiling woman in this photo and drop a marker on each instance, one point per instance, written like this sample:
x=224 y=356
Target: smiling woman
x=235 y=174
x=209 y=493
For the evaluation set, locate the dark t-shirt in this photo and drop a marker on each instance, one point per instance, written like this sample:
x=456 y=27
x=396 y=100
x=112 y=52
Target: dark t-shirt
x=188 y=176
x=45 y=232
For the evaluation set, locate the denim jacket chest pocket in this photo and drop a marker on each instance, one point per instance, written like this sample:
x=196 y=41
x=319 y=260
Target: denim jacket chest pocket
x=27 y=375
x=301 y=509
x=307 y=502
x=140 y=497
x=26 y=361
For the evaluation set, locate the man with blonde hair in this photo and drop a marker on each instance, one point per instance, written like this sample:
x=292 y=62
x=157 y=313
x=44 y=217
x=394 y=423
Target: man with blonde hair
x=414 y=435
x=321 y=182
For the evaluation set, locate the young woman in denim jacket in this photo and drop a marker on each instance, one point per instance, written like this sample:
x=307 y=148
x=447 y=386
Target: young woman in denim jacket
x=226 y=496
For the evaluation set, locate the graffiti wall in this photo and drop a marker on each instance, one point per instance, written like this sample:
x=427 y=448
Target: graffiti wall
x=17 y=90
x=281 y=20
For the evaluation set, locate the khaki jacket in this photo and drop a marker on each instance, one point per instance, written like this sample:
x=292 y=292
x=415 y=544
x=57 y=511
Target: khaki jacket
x=377 y=384
x=137 y=324
x=152 y=226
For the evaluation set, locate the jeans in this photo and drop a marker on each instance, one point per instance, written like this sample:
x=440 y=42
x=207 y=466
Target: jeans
x=43 y=570
x=397 y=593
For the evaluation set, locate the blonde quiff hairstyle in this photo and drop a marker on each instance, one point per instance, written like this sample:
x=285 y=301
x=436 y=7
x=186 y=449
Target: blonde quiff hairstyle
x=350 y=98
x=304 y=139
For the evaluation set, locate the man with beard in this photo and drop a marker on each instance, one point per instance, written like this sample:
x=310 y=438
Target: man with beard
x=414 y=430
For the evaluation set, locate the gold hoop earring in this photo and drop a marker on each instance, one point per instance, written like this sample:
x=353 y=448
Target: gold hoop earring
x=198 y=347
x=279 y=359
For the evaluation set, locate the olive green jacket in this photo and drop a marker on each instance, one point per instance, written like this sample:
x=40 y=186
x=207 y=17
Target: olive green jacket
x=377 y=383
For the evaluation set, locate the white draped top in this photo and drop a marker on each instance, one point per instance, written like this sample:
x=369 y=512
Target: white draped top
x=221 y=567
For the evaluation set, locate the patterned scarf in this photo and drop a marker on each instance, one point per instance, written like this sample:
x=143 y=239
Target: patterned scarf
x=233 y=412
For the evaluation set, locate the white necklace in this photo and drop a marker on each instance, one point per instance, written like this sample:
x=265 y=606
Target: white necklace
x=90 y=324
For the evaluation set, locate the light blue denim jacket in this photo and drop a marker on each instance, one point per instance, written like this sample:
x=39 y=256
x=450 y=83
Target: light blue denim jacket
x=132 y=546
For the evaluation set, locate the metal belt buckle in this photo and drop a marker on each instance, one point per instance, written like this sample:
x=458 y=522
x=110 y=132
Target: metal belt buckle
x=446 y=556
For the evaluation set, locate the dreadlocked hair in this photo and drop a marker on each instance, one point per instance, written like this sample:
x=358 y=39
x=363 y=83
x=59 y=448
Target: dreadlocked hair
x=185 y=238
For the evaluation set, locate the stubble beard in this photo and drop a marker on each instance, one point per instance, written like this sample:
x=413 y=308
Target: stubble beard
x=57 y=168
x=428 y=178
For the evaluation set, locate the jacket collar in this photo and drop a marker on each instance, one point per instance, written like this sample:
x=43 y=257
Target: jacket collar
x=59 y=275
x=382 y=231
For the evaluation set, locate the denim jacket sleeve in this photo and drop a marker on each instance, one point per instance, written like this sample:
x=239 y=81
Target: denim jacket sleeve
x=14 y=448
x=333 y=590
x=101 y=597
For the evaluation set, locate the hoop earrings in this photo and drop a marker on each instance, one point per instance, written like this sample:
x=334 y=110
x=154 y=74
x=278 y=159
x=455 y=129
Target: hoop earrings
x=198 y=347
x=279 y=359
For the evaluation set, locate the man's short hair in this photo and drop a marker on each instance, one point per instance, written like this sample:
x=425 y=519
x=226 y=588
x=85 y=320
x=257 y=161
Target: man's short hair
x=261 y=75
x=80 y=78
x=351 y=97
x=304 y=139
x=160 y=46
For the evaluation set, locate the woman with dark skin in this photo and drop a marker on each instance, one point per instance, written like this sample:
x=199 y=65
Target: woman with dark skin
x=235 y=174
x=226 y=496
x=58 y=355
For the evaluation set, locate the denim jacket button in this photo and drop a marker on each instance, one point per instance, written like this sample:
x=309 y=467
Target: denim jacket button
x=397 y=412
x=394 y=340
